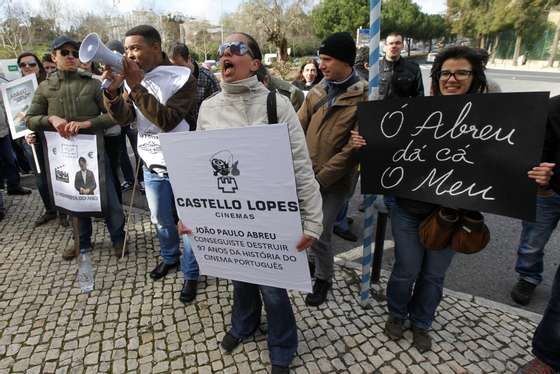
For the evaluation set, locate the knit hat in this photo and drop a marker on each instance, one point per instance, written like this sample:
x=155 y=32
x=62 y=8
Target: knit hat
x=341 y=46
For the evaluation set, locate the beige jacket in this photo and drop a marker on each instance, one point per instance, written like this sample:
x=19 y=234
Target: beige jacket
x=242 y=104
x=328 y=135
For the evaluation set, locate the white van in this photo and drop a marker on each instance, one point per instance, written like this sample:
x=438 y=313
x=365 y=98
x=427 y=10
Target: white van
x=269 y=58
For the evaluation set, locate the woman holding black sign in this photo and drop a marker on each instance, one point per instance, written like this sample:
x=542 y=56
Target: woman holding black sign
x=427 y=235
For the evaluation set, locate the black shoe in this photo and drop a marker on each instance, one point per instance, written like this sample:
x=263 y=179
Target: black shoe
x=19 y=191
x=319 y=295
x=162 y=269
x=394 y=328
x=188 y=293
x=523 y=292
x=276 y=369
x=346 y=235
x=230 y=342
x=46 y=217
x=421 y=339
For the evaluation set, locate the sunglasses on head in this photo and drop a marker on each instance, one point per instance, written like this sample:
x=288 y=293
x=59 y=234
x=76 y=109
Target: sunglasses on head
x=235 y=48
x=25 y=64
x=66 y=52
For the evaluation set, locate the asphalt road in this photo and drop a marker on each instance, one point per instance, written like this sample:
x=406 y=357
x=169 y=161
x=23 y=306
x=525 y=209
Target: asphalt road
x=490 y=273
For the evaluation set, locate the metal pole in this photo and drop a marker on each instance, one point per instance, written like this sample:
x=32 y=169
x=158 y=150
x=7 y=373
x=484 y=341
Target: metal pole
x=374 y=36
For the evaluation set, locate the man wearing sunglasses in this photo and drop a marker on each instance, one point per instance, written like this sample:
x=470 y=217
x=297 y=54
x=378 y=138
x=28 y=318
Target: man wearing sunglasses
x=69 y=101
x=160 y=97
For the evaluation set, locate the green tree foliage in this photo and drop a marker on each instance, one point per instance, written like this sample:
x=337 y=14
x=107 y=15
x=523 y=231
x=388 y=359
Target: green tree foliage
x=340 y=15
x=401 y=16
x=484 y=20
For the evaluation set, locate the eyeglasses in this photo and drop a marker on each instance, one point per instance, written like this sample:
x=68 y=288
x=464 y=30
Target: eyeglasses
x=459 y=75
x=235 y=48
x=66 y=52
x=27 y=64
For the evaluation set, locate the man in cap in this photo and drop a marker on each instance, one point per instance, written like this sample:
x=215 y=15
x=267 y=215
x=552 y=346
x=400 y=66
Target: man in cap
x=327 y=116
x=69 y=101
x=166 y=104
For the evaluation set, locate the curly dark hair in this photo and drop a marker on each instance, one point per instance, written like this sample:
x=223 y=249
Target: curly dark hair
x=307 y=62
x=42 y=72
x=476 y=60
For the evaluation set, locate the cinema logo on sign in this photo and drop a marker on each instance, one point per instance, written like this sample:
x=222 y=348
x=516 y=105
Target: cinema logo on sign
x=225 y=168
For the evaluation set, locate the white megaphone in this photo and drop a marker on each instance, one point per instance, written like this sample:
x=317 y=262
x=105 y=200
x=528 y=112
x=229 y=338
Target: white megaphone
x=93 y=49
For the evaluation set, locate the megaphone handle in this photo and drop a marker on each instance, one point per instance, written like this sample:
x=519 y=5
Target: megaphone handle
x=105 y=84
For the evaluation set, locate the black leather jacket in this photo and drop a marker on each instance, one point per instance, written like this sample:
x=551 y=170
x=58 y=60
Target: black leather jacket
x=401 y=78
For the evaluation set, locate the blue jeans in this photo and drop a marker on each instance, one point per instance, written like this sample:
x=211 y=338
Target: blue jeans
x=114 y=217
x=162 y=210
x=534 y=237
x=40 y=178
x=246 y=317
x=8 y=158
x=389 y=201
x=415 y=287
x=342 y=217
x=546 y=341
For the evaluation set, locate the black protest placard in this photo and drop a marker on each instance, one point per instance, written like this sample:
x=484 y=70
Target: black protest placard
x=467 y=151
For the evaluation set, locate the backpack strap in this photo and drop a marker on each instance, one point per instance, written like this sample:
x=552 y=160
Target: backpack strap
x=271 y=109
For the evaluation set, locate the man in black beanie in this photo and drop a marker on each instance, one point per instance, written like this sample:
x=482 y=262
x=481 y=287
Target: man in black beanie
x=327 y=116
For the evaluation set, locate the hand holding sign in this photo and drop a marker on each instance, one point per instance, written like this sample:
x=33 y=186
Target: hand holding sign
x=60 y=125
x=305 y=242
x=357 y=141
x=183 y=230
x=542 y=173
x=74 y=127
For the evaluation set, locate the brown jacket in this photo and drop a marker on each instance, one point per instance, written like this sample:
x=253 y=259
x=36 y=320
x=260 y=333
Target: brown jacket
x=327 y=131
x=166 y=117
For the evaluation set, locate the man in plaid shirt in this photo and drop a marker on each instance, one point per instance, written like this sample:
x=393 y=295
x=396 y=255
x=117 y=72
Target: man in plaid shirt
x=207 y=84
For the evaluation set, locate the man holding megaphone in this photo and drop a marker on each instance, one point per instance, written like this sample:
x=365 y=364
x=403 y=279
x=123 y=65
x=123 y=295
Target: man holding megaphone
x=160 y=97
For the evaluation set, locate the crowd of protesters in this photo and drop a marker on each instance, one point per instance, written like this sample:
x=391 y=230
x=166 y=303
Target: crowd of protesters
x=319 y=108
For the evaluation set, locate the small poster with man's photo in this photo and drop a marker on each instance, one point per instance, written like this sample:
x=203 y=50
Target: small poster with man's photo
x=74 y=173
x=17 y=96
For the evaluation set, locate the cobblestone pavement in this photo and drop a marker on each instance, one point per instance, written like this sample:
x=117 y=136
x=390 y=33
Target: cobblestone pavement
x=131 y=324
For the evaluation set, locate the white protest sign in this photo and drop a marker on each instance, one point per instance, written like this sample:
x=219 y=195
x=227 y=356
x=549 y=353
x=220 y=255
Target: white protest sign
x=17 y=97
x=74 y=172
x=235 y=188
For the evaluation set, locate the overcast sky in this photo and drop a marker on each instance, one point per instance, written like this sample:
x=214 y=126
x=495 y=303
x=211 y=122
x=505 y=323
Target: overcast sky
x=208 y=9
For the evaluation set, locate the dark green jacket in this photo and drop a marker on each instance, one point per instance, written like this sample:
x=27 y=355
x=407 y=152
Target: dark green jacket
x=73 y=96
x=287 y=89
